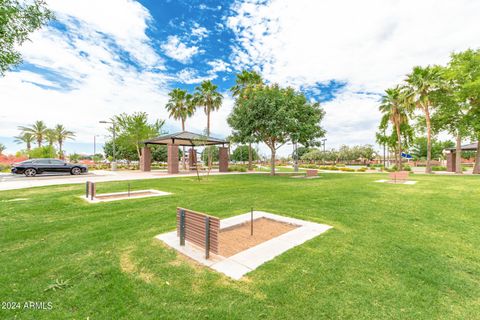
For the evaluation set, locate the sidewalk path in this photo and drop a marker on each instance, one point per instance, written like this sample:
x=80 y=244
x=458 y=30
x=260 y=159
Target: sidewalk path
x=12 y=182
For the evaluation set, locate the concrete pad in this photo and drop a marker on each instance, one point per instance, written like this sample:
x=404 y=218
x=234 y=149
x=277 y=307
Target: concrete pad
x=238 y=265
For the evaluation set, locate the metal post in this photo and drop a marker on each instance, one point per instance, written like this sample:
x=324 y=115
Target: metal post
x=182 y=227
x=87 y=189
x=207 y=237
x=93 y=191
x=251 y=222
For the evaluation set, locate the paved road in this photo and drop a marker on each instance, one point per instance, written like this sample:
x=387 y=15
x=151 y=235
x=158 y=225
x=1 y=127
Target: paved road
x=13 y=182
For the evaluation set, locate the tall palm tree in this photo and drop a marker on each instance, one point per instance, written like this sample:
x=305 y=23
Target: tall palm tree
x=25 y=137
x=393 y=109
x=209 y=98
x=62 y=134
x=181 y=107
x=246 y=81
x=2 y=148
x=422 y=83
x=50 y=137
x=38 y=131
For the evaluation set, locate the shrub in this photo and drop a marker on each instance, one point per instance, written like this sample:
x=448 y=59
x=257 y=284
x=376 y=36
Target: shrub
x=405 y=167
x=363 y=169
x=439 y=168
x=237 y=167
x=346 y=169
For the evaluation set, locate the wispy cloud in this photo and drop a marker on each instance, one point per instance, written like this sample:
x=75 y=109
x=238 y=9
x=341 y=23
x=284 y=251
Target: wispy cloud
x=178 y=50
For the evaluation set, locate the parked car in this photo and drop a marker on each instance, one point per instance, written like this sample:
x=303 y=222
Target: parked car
x=32 y=167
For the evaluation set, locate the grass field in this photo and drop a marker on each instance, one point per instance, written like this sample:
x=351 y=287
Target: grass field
x=396 y=251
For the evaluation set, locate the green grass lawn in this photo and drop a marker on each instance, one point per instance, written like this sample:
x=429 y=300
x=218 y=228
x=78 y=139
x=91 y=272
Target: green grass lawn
x=396 y=251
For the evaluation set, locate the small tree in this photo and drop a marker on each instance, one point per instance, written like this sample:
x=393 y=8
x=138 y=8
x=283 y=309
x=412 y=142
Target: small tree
x=274 y=116
x=242 y=153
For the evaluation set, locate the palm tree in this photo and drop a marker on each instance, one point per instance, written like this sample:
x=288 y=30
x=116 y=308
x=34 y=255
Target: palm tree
x=422 y=83
x=246 y=81
x=2 y=148
x=181 y=107
x=394 y=111
x=26 y=138
x=209 y=98
x=50 y=137
x=62 y=134
x=38 y=131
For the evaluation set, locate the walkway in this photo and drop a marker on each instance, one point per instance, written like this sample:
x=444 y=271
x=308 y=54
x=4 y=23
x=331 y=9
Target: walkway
x=12 y=182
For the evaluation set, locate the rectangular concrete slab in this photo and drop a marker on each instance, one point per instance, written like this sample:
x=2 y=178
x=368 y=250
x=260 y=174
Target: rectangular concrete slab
x=238 y=265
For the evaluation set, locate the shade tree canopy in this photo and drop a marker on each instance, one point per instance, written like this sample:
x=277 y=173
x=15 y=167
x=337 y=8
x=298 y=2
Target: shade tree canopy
x=275 y=115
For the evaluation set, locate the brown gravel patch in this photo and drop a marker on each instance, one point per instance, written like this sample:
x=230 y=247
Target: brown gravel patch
x=237 y=238
x=125 y=196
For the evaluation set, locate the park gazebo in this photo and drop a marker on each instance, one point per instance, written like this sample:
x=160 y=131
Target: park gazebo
x=187 y=139
x=451 y=152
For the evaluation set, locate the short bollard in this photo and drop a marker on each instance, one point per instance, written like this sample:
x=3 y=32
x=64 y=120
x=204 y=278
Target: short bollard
x=182 y=227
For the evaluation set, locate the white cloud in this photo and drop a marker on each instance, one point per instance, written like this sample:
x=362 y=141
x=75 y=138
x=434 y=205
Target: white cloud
x=124 y=20
x=190 y=76
x=219 y=65
x=86 y=60
x=199 y=32
x=370 y=45
x=177 y=50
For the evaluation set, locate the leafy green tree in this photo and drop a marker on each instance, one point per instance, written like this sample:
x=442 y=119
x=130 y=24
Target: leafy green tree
x=274 y=116
x=38 y=130
x=134 y=129
x=212 y=152
x=394 y=112
x=422 y=85
x=2 y=148
x=464 y=72
x=25 y=137
x=302 y=150
x=243 y=152
x=245 y=82
x=18 y=19
x=419 y=148
x=61 y=135
x=181 y=106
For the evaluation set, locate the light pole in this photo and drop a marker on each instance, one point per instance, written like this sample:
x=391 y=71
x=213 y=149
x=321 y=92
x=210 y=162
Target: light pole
x=114 y=160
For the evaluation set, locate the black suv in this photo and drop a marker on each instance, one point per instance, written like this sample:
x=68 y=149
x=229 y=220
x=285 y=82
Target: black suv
x=36 y=166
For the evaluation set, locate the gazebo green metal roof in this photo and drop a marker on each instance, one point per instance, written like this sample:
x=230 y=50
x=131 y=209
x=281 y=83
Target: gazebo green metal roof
x=186 y=138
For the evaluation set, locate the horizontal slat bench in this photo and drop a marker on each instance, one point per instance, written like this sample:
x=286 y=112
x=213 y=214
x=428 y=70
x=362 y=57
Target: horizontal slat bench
x=199 y=229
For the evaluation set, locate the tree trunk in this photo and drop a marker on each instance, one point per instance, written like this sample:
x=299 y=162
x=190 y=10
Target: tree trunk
x=476 y=168
x=428 y=169
x=250 y=167
x=272 y=161
x=399 y=146
x=458 y=155
x=183 y=149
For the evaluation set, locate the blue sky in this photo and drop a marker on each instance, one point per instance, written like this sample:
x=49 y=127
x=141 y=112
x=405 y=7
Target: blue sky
x=101 y=58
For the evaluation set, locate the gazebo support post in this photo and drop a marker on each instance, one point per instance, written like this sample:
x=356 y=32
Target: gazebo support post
x=146 y=159
x=451 y=161
x=172 y=159
x=223 y=159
